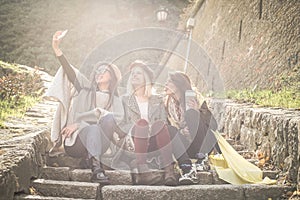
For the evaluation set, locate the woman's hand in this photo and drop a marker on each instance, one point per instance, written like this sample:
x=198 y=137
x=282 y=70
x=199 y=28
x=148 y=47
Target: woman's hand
x=193 y=103
x=56 y=39
x=185 y=131
x=69 y=130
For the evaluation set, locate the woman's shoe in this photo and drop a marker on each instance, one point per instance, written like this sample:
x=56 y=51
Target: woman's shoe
x=147 y=177
x=188 y=175
x=170 y=178
x=98 y=175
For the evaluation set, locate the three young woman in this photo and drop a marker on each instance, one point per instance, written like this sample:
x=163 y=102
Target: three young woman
x=88 y=110
x=91 y=112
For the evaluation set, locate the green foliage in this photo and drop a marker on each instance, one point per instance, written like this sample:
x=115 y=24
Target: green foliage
x=285 y=94
x=19 y=89
x=26 y=27
x=284 y=98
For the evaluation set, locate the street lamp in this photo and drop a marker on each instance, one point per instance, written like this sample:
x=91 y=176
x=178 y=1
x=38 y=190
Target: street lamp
x=189 y=27
x=162 y=14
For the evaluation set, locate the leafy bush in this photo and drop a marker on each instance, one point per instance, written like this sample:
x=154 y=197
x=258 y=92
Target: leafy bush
x=19 y=89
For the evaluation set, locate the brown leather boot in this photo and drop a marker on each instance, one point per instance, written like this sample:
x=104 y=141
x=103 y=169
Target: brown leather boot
x=147 y=177
x=170 y=178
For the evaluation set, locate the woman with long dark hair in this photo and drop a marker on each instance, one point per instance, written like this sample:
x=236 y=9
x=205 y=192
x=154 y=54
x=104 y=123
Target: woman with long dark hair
x=88 y=111
x=190 y=125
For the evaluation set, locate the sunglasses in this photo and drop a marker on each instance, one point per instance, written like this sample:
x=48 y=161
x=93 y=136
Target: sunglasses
x=102 y=70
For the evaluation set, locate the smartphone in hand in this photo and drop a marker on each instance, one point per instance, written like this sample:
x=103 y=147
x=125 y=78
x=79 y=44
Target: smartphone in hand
x=189 y=95
x=62 y=34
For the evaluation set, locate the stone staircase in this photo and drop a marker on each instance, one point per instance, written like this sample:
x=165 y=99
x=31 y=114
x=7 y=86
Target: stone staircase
x=60 y=180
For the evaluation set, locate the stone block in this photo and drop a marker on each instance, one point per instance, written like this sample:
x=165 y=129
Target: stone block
x=21 y=162
x=63 y=160
x=262 y=192
x=81 y=175
x=119 y=177
x=216 y=179
x=116 y=177
x=69 y=189
x=56 y=173
x=38 y=197
x=203 y=192
x=205 y=178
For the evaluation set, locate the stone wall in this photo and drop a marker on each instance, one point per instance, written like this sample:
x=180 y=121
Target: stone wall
x=250 y=42
x=273 y=132
x=21 y=160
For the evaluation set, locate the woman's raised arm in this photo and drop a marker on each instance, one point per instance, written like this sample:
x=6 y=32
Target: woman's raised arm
x=57 y=37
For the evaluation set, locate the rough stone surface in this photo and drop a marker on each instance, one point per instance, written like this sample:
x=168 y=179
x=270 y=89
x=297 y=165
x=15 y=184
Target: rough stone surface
x=249 y=42
x=205 y=178
x=205 y=192
x=70 y=189
x=63 y=160
x=23 y=160
x=56 y=173
x=38 y=197
x=117 y=177
x=273 y=132
x=261 y=192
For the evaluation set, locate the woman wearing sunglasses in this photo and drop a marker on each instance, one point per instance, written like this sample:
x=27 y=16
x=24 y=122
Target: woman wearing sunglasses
x=88 y=112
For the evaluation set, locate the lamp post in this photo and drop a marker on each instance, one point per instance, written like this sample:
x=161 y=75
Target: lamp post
x=189 y=27
x=162 y=14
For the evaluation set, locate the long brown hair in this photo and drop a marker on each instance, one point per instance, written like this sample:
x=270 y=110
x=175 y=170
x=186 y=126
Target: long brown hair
x=182 y=83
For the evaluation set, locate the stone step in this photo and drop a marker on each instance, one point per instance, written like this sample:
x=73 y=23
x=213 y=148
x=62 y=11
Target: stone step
x=117 y=177
x=38 y=197
x=123 y=177
x=63 y=160
x=203 y=192
x=69 y=189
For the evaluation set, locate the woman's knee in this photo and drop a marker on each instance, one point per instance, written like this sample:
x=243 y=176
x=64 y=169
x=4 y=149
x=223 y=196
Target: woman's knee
x=91 y=128
x=108 y=119
x=141 y=129
x=157 y=127
x=192 y=114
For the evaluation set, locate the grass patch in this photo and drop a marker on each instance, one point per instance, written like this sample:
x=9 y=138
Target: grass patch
x=285 y=98
x=9 y=109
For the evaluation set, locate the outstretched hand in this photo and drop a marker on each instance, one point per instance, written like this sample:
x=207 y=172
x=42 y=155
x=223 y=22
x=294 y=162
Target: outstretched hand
x=56 y=39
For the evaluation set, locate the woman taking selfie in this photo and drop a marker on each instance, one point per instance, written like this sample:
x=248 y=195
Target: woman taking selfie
x=88 y=108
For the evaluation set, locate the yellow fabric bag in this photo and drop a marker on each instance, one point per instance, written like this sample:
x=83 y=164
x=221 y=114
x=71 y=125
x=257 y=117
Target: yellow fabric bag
x=233 y=168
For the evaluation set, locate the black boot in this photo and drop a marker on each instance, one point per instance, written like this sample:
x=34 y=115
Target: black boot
x=98 y=175
x=170 y=178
